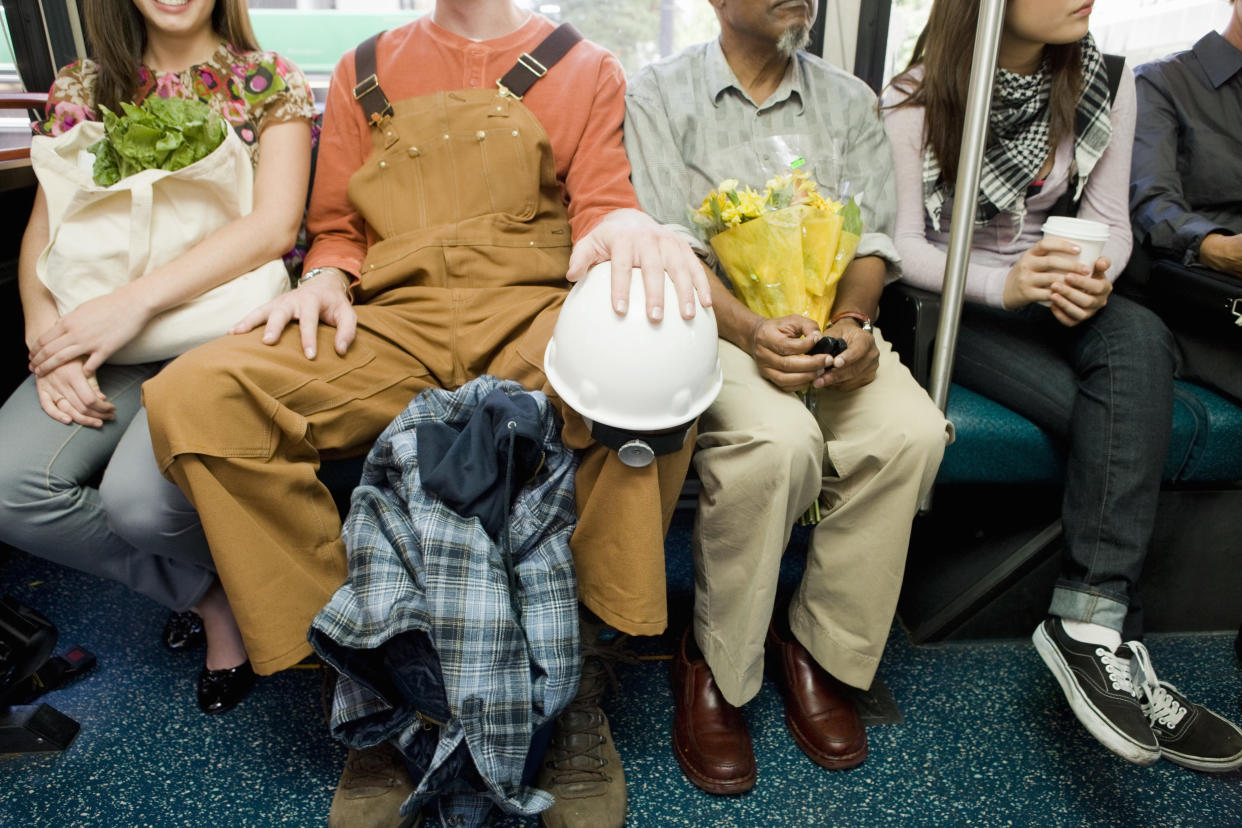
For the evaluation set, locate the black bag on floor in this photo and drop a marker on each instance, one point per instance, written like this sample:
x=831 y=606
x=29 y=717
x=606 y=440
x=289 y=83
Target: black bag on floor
x=26 y=641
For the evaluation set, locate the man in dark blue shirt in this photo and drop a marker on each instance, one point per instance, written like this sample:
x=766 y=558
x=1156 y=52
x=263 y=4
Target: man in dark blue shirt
x=1186 y=190
x=1186 y=184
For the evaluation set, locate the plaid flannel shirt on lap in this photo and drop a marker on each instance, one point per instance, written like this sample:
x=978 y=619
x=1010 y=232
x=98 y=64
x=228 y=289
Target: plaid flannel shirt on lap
x=426 y=583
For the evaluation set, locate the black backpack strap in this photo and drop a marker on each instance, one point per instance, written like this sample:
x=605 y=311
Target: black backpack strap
x=367 y=91
x=1113 y=66
x=532 y=66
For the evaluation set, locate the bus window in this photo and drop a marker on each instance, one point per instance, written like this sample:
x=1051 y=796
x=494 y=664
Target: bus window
x=1142 y=30
x=14 y=123
x=636 y=31
x=9 y=81
x=906 y=20
x=315 y=33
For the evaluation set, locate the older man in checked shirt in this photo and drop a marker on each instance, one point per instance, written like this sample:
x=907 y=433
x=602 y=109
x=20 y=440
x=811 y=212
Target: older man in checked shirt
x=750 y=105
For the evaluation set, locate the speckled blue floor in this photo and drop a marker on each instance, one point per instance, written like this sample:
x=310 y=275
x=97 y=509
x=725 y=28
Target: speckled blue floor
x=986 y=739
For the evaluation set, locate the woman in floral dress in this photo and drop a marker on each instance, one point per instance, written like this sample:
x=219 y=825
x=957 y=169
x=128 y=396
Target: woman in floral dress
x=77 y=417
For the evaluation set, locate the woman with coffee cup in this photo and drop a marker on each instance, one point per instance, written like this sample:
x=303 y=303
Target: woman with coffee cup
x=1043 y=334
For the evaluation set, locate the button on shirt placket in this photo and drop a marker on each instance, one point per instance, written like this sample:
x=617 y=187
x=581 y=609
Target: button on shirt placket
x=476 y=62
x=758 y=134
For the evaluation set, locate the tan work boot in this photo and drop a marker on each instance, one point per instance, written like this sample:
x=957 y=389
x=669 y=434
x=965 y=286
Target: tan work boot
x=372 y=788
x=581 y=768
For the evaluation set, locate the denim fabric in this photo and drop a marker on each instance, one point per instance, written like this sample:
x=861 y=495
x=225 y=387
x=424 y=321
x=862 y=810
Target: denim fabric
x=1105 y=390
x=136 y=527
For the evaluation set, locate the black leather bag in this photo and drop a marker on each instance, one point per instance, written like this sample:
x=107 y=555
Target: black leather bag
x=1211 y=299
x=1202 y=307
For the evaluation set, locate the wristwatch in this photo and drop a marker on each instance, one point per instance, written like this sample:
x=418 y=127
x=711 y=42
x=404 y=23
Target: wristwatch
x=862 y=319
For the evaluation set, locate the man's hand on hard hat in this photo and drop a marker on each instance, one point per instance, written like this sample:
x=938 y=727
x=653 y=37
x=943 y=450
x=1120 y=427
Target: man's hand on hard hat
x=324 y=298
x=630 y=238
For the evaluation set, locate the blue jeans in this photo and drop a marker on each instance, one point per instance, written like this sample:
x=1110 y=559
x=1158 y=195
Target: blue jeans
x=1104 y=389
x=136 y=528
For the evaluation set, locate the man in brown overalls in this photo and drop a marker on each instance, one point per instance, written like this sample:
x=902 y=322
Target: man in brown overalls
x=450 y=212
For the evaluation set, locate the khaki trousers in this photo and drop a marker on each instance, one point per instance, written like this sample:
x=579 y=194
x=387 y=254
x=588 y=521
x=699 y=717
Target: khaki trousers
x=763 y=458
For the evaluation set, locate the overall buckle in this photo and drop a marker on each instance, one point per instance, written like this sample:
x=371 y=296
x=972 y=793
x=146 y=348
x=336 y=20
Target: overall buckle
x=531 y=65
x=368 y=86
x=506 y=92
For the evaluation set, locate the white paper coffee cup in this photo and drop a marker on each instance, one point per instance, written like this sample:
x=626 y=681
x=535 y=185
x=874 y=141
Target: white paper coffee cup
x=1089 y=235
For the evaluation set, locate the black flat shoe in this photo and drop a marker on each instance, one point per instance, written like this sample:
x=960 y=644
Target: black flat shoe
x=219 y=691
x=183 y=631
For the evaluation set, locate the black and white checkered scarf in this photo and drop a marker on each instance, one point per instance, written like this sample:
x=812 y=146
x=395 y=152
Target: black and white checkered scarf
x=1019 y=145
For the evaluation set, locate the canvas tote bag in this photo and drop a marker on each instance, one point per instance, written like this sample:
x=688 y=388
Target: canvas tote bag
x=101 y=238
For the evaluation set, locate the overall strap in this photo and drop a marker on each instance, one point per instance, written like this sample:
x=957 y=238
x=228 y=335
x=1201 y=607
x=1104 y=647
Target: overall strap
x=367 y=91
x=532 y=66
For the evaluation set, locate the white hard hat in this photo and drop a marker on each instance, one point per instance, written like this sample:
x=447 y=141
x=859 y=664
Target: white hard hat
x=640 y=384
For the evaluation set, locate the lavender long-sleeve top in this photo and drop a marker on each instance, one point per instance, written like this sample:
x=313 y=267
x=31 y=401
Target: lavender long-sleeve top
x=1003 y=240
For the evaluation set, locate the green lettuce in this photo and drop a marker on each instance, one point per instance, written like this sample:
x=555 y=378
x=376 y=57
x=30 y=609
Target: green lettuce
x=162 y=133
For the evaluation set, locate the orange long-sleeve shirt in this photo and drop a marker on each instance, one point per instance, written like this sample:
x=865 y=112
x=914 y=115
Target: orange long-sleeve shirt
x=580 y=103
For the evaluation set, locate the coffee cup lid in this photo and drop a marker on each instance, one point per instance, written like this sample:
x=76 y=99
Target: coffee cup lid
x=1076 y=228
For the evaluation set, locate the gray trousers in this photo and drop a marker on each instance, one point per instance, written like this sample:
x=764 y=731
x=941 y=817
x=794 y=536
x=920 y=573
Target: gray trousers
x=136 y=527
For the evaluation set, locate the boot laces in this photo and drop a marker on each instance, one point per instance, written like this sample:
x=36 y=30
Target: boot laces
x=574 y=754
x=369 y=768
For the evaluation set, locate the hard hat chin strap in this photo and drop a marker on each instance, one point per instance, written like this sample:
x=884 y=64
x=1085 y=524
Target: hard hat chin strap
x=639 y=448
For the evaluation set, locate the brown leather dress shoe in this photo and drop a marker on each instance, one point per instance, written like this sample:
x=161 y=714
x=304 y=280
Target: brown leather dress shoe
x=818 y=711
x=710 y=739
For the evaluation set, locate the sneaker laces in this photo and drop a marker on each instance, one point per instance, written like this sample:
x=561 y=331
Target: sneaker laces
x=1118 y=668
x=1163 y=708
x=574 y=752
x=1159 y=705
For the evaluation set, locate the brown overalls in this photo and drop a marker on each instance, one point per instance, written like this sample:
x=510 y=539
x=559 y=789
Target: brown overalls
x=467 y=279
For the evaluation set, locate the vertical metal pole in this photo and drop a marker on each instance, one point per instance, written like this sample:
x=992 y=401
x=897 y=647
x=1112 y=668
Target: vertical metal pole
x=965 y=197
x=75 y=26
x=32 y=52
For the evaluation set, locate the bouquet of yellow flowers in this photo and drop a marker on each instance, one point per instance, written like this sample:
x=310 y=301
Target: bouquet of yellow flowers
x=783 y=249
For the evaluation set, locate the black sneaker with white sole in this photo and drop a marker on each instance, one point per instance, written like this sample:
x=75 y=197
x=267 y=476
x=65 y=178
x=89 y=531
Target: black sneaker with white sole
x=1096 y=682
x=1189 y=734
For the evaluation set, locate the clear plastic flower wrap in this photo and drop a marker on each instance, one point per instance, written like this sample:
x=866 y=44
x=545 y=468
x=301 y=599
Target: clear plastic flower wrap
x=784 y=249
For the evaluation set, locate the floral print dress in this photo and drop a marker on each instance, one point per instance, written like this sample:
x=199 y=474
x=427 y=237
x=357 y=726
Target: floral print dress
x=250 y=90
